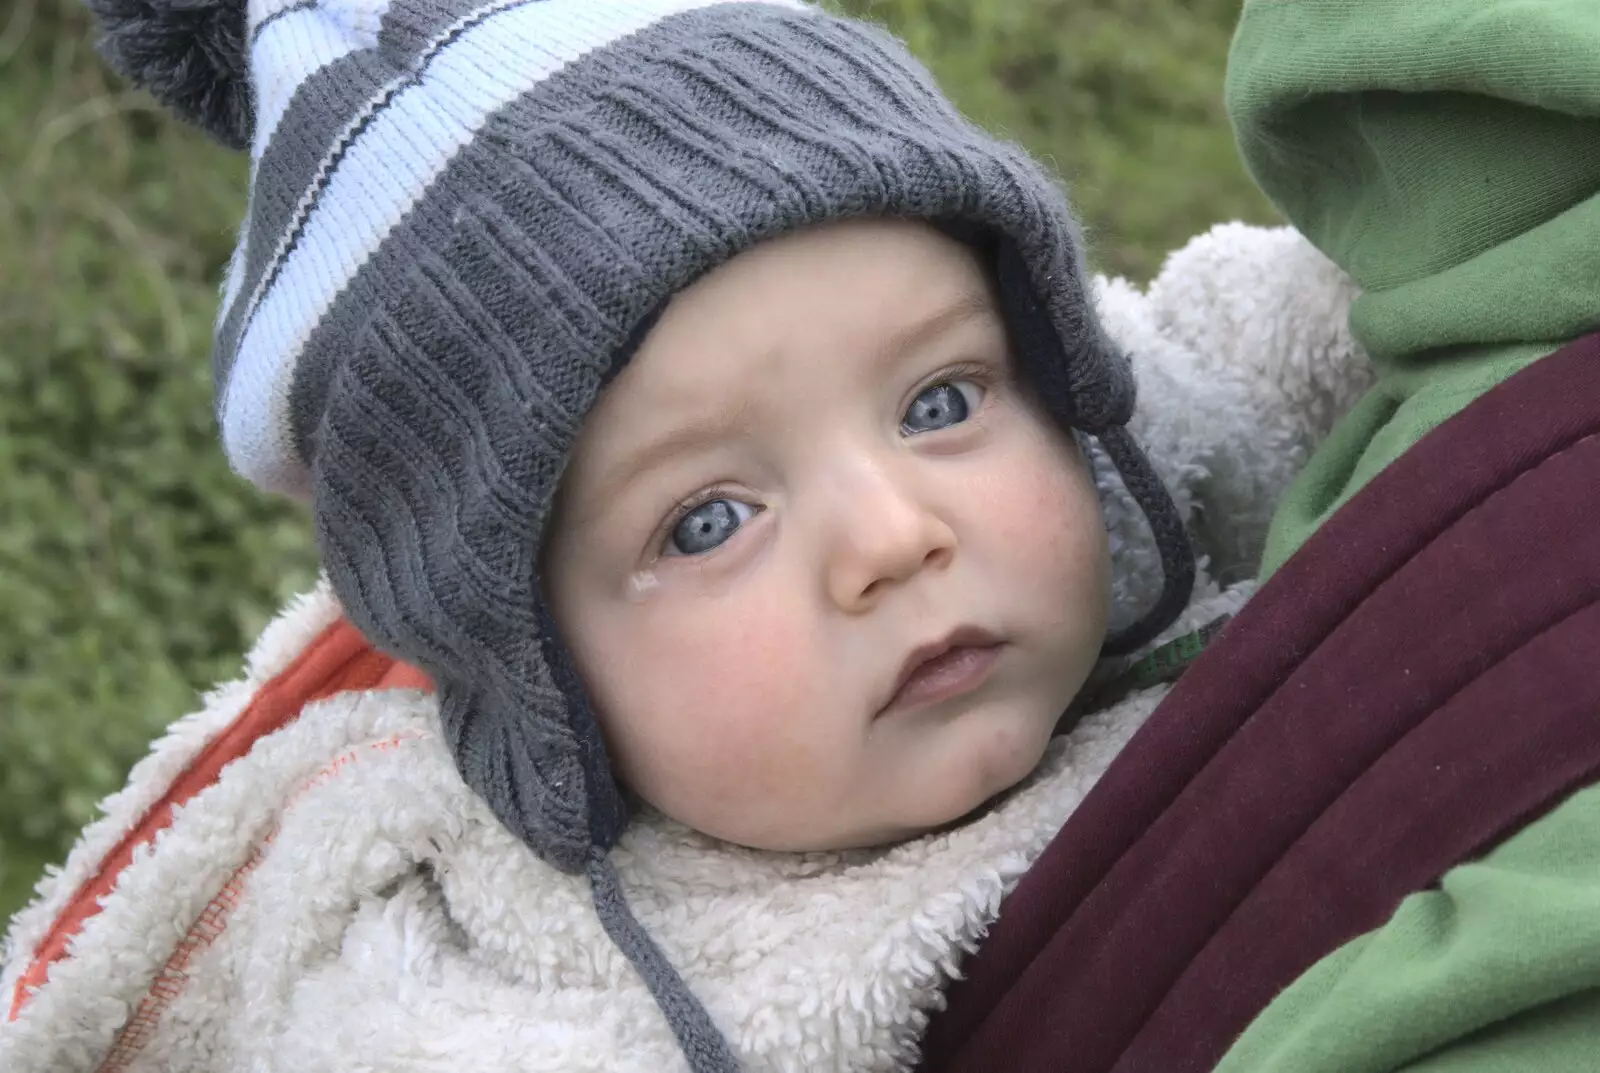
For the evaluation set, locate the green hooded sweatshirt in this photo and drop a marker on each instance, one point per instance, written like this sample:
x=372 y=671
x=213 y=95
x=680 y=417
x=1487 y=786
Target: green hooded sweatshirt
x=1446 y=153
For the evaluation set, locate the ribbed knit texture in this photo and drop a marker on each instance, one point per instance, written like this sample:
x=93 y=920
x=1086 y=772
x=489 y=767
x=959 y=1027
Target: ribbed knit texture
x=461 y=219
x=1447 y=155
x=439 y=397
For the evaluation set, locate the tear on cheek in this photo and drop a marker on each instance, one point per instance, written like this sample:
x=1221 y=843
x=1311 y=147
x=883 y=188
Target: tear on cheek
x=642 y=584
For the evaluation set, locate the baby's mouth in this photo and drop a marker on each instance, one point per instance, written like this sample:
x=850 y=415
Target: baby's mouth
x=951 y=667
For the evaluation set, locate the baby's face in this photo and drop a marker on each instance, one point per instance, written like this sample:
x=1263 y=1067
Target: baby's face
x=829 y=574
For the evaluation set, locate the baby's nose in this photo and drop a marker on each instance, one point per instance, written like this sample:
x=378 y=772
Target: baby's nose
x=884 y=535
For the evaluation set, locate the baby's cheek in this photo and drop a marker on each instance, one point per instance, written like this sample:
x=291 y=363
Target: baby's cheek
x=1043 y=545
x=1037 y=506
x=728 y=708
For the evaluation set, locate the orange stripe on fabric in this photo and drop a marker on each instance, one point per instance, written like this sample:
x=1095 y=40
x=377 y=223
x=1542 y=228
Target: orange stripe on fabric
x=169 y=983
x=338 y=660
x=212 y=922
x=405 y=676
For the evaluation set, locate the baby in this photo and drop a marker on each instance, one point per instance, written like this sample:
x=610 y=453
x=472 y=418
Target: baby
x=828 y=569
x=729 y=433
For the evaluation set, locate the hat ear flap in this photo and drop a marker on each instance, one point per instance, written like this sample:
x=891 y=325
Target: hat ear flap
x=1047 y=361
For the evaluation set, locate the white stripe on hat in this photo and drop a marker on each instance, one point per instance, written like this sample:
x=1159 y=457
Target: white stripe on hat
x=295 y=43
x=382 y=166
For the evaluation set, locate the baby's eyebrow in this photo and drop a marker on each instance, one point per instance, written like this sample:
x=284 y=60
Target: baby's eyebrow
x=682 y=440
x=963 y=307
x=735 y=419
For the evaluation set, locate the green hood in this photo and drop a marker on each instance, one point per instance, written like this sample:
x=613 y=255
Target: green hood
x=1446 y=153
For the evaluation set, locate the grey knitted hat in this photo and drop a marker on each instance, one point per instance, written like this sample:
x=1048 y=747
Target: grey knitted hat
x=462 y=217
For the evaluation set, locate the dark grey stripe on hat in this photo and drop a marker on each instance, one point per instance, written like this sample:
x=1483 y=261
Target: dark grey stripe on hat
x=322 y=106
x=475 y=174
x=351 y=135
x=685 y=48
x=599 y=163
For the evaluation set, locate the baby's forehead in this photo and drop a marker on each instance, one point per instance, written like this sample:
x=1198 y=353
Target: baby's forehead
x=826 y=314
x=772 y=359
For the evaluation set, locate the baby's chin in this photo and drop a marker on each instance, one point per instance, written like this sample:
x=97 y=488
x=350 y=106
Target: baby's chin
x=952 y=791
x=991 y=754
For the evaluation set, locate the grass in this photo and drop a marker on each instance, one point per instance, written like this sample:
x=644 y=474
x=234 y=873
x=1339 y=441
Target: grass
x=134 y=569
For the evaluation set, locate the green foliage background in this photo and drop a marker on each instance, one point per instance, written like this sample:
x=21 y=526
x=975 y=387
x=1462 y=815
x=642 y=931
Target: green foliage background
x=134 y=569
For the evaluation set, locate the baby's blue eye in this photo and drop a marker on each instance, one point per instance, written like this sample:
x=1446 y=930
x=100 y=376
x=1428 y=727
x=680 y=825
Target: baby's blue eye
x=708 y=526
x=940 y=406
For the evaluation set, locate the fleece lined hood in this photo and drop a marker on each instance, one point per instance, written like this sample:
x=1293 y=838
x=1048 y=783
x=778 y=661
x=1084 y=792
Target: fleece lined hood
x=338 y=899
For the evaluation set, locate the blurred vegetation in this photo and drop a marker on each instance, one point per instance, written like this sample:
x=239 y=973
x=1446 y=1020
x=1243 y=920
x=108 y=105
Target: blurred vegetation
x=135 y=570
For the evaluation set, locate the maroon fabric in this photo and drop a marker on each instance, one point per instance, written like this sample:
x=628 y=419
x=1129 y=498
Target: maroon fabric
x=1412 y=686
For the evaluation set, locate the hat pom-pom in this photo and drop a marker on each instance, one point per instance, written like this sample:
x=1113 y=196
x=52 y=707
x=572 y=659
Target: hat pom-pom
x=190 y=55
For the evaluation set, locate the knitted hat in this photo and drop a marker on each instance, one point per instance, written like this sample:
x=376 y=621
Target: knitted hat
x=462 y=217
